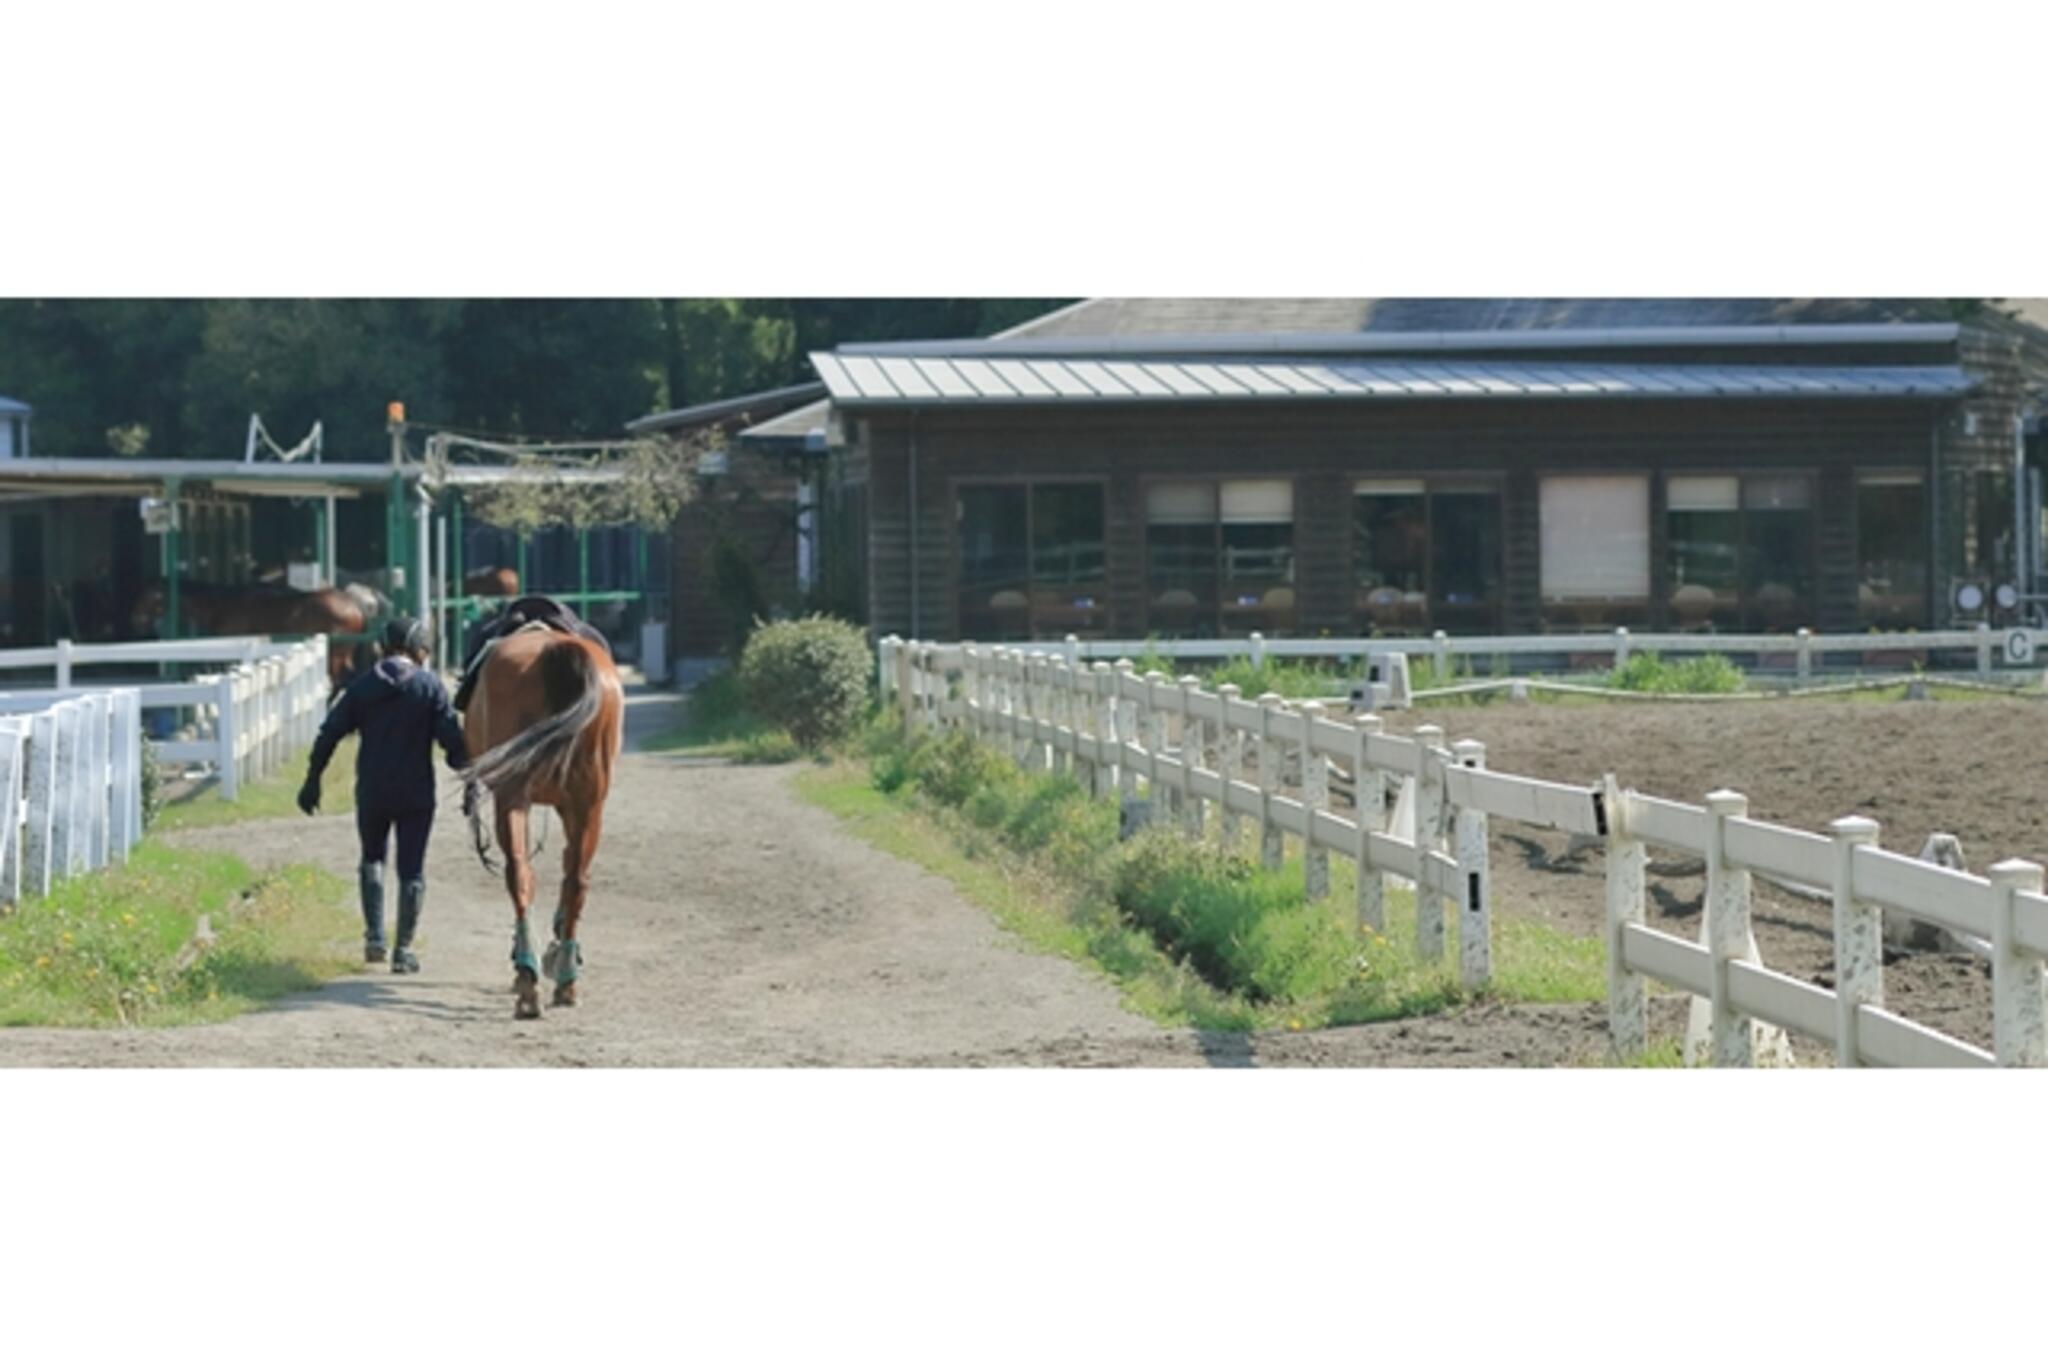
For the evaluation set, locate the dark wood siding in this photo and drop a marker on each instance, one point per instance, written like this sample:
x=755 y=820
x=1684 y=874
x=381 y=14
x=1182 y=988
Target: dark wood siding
x=1324 y=446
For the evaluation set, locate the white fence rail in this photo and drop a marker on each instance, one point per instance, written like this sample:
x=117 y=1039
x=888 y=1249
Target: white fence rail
x=70 y=787
x=249 y=717
x=1801 y=650
x=1113 y=729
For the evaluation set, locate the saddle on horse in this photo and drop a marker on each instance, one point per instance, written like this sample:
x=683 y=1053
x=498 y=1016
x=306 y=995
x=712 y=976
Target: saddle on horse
x=535 y=611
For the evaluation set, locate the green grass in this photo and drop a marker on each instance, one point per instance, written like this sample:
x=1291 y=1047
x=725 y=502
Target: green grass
x=718 y=724
x=103 y=949
x=1194 y=934
x=269 y=798
x=1647 y=672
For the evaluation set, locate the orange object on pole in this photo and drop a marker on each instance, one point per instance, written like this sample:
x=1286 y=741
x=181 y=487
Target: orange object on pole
x=394 y=411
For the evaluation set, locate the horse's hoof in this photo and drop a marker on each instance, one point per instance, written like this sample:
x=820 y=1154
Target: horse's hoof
x=526 y=986
x=565 y=994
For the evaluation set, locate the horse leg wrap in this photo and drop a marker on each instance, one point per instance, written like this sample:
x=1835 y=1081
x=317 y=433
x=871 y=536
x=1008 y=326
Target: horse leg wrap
x=522 y=950
x=563 y=958
x=370 y=882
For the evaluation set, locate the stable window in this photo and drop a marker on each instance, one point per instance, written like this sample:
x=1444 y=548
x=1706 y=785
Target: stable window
x=1219 y=556
x=1595 y=545
x=1031 y=561
x=1740 y=551
x=1426 y=556
x=1891 y=550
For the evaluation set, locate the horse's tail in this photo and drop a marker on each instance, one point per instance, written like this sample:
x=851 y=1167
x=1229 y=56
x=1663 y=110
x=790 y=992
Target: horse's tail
x=575 y=692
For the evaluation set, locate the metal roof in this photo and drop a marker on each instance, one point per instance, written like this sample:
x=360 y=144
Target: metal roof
x=767 y=402
x=934 y=379
x=13 y=405
x=107 y=476
x=1403 y=343
x=794 y=429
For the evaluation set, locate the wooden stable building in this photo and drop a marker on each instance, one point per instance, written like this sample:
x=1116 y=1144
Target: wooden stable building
x=1188 y=468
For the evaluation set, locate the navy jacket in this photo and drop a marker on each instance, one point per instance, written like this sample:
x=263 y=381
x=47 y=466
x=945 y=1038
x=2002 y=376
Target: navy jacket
x=402 y=711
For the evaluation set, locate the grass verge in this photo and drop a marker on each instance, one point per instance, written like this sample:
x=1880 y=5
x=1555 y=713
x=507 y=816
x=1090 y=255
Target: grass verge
x=1192 y=933
x=115 y=947
x=268 y=798
x=718 y=724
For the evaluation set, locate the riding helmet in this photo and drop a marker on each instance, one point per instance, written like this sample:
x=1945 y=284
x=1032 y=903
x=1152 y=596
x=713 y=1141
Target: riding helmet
x=403 y=633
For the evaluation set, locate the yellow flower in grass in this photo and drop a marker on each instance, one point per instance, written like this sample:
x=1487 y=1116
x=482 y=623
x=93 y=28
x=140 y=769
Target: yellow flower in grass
x=127 y=918
x=43 y=961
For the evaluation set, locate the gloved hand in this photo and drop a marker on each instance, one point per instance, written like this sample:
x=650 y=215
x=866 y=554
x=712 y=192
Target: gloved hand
x=309 y=796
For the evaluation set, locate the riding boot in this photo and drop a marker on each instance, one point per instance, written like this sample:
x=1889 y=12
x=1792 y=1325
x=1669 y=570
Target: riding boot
x=412 y=898
x=370 y=881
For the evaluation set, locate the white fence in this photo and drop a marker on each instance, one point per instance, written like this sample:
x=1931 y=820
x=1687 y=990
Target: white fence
x=248 y=717
x=1801 y=650
x=1112 y=728
x=70 y=788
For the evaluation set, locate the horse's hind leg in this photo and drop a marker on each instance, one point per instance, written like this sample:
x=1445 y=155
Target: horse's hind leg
x=519 y=882
x=580 y=830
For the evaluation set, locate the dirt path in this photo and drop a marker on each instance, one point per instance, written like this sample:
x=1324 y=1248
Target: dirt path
x=735 y=925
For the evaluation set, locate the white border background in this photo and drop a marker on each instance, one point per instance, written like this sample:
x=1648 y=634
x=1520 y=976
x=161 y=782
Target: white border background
x=1058 y=149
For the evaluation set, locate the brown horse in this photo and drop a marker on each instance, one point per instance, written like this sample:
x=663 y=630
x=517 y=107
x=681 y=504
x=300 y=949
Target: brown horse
x=545 y=724
x=260 y=610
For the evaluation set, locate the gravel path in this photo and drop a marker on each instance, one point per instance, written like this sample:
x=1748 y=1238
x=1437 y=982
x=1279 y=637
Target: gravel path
x=733 y=924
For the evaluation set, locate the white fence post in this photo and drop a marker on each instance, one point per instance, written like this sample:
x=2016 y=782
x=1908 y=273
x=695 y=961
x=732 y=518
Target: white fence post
x=1443 y=657
x=1192 y=756
x=64 y=653
x=2019 y=987
x=1805 y=654
x=1429 y=835
x=11 y=754
x=1258 y=649
x=1272 y=842
x=1859 y=940
x=1475 y=915
x=1315 y=788
x=1230 y=764
x=1620 y=647
x=224 y=719
x=1103 y=680
x=1983 y=649
x=39 y=837
x=64 y=833
x=1127 y=732
x=1715 y=1030
x=1155 y=745
x=1369 y=806
x=1627 y=868
x=98 y=790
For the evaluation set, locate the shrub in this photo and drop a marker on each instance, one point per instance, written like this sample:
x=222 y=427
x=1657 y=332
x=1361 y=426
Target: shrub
x=808 y=677
x=952 y=770
x=1242 y=927
x=1646 y=672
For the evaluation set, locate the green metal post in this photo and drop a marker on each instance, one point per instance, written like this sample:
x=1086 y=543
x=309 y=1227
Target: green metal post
x=583 y=569
x=640 y=573
x=524 y=587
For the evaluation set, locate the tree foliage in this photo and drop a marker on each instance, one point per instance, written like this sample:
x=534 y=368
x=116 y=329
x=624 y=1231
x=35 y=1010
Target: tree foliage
x=638 y=482
x=178 y=378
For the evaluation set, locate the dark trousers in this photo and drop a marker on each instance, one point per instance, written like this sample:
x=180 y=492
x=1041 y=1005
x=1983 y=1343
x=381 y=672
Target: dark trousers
x=413 y=826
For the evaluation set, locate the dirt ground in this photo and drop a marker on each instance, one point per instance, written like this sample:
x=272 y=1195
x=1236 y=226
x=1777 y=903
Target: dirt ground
x=1971 y=769
x=735 y=925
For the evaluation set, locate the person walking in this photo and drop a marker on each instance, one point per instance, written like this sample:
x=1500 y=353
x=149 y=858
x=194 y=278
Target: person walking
x=402 y=712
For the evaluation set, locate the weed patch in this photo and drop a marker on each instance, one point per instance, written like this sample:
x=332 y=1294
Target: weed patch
x=115 y=947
